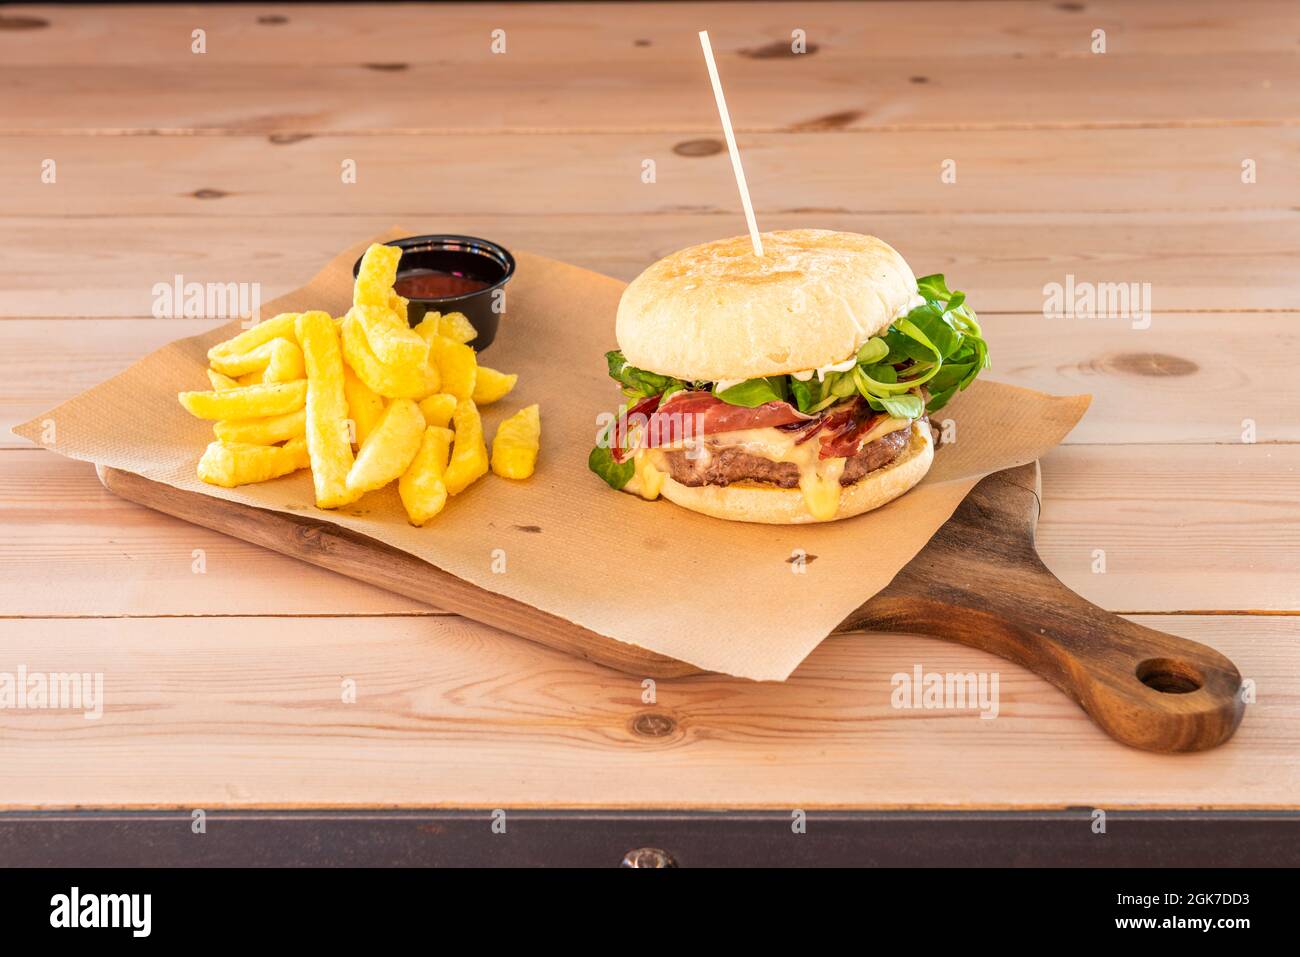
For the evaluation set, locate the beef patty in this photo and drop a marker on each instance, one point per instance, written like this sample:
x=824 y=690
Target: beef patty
x=730 y=463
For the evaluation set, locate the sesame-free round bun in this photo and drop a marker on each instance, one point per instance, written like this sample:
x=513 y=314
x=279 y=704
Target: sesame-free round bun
x=771 y=505
x=717 y=311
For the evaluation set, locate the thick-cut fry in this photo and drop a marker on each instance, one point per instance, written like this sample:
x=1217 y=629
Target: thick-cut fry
x=490 y=385
x=453 y=325
x=393 y=342
x=277 y=327
x=236 y=463
x=388 y=381
x=427 y=327
x=364 y=406
x=389 y=448
x=246 y=402
x=220 y=383
x=252 y=378
x=327 y=409
x=376 y=275
x=421 y=486
x=280 y=360
x=399 y=306
x=266 y=431
x=457 y=366
x=286 y=362
x=514 y=447
x=469 y=458
x=438 y=408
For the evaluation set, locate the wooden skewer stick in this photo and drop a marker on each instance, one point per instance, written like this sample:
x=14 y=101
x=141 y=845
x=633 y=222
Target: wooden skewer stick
x=731 y=143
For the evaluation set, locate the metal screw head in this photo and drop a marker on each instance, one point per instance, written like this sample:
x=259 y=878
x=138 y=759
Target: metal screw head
x=647 y=857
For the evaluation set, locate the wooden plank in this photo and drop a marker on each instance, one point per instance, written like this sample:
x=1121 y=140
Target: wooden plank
x=1194 y=260
x=221 y=713
x=251 y=34
x=625 y=94
x=404 y=176
x=1183 y=361
x=1195 y=528
x=1188 y=378
x=1205 y=528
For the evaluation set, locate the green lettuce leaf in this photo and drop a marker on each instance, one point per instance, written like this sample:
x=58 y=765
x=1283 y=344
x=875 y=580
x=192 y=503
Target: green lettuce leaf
x=754 y=392
x=638 y=383
x=615 y=474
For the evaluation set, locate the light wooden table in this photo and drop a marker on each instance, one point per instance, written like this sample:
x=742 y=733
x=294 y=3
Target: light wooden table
x=223 y=688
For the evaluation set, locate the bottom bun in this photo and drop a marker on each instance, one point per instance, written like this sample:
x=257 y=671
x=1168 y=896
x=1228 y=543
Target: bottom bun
x=771 y=505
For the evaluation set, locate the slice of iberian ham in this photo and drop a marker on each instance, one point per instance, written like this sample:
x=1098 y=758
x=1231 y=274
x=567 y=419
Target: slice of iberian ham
x=696 y=413
x=841 y=429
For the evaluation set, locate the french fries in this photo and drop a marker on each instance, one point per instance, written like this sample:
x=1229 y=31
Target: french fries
x=302 y=390
x=265 y=431
x=277 y=327
x=453 y=325
x=229 y=464
x=438 y=408
x=515 y=446
x=399 y=306
x=247 y=401
x=328 y=440
x=279 y=360
x=389 y=381
x=376 y=275
x=364 y=406
x=392 y=341
x=221 y=382
x=421 y=487
x=457 y=366
x=469 y=458
x=389 y=449
x=490 y=385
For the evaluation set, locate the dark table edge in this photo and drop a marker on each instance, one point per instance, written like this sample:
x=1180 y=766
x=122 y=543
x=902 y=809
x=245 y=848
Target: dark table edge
x=489 y=837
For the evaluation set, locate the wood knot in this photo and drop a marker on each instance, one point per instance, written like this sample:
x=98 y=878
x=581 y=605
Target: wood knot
x=652 y=724
x=1156 y=364
x=831 y=121
x=776 y=50
x=23 y=23
x=530 y=529
x=208 y=194
x=703 y=147
x=387 y=67
x=285 y=139
x=272 y=19
x=311 y=536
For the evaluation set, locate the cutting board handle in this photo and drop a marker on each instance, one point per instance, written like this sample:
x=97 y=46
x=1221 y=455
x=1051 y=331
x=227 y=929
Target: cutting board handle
x=985 y=586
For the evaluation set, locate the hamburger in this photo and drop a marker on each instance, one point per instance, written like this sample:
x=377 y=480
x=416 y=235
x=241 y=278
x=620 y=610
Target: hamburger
x=788 y=388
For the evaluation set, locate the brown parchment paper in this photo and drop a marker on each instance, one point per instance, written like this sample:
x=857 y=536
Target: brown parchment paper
x=720 y=595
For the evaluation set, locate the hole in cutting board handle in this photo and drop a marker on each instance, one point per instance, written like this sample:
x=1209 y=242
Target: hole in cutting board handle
x=1169 y=676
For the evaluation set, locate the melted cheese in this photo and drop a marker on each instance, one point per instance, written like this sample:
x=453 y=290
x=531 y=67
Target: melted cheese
x=819 y=479
x=884 y=427
x=649 y=479
x=821 y=488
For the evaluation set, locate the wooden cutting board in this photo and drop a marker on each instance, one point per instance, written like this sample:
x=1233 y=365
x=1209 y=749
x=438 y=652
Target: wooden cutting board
x=979 y=581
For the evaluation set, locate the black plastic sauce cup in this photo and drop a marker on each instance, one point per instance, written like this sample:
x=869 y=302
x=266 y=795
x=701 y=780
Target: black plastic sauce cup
x=465 y=256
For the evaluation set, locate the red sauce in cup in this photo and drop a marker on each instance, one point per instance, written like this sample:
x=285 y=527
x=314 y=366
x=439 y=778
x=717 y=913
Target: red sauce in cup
x=434 y=284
